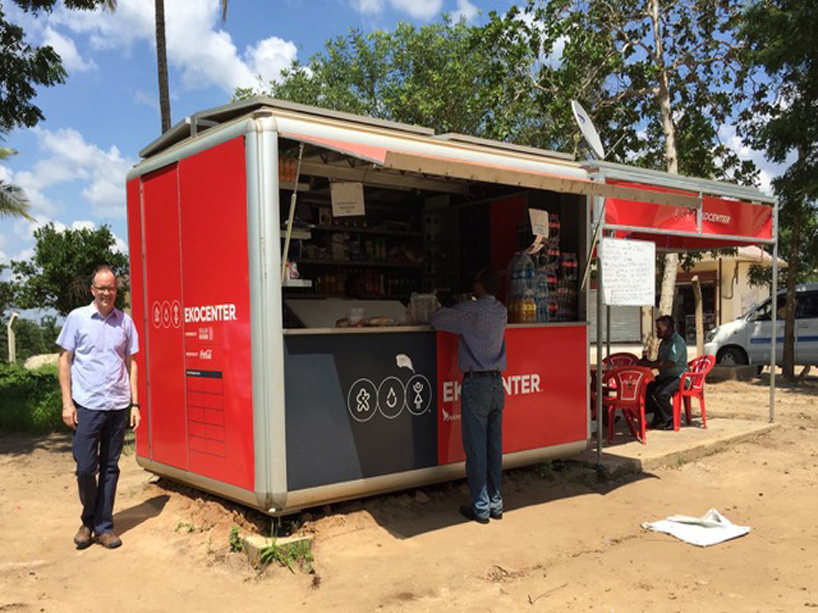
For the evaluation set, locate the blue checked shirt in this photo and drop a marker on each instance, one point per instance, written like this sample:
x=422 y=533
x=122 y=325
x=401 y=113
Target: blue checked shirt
x=99 y=377
x=481 y=325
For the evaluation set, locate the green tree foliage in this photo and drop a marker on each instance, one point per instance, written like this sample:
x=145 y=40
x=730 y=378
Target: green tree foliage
x=23 y=67
x=59 y=274
x=442 y=76
x=784 y=122
x=658 y=78
x=29 y=399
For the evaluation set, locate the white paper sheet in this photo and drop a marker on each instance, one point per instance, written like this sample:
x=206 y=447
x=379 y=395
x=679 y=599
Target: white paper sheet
x=709 y=529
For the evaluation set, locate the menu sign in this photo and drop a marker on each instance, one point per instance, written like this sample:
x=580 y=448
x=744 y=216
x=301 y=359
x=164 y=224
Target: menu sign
x=347 y=199
x=628 y=272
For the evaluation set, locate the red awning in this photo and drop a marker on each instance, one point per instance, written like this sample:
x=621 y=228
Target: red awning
x=721 y=222
x=376 y=155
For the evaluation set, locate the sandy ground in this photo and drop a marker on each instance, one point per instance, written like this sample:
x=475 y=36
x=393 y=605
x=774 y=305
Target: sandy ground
x=566 y=542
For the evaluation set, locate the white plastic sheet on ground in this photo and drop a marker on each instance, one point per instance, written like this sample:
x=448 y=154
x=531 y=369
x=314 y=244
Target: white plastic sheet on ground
x=709 y=529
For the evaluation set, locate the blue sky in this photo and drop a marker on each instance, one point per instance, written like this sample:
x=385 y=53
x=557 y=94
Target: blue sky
x=73 y=164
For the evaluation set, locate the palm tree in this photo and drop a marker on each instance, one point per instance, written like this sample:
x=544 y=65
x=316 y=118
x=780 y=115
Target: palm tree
x=162 y=60
x=13 y=200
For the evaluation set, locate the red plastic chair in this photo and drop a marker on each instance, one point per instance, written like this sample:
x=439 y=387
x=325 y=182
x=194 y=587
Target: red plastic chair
x=629 y=396
x=620 y=359
x=611 y=361
x=692 y=386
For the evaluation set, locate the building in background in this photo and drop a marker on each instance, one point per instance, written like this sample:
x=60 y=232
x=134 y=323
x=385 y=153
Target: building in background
x=726 y=294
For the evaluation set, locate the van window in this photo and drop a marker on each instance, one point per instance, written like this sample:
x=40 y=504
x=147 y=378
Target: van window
x=764 y=312
x=807 y=306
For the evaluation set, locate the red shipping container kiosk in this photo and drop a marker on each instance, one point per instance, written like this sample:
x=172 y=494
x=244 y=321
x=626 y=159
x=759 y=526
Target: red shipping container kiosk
x=252 y=391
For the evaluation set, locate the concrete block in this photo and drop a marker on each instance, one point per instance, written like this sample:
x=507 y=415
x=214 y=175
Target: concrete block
x=253 y=545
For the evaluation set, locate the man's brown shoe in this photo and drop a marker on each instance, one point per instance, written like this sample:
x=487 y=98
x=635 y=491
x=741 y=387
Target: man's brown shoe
x=109 y=540
x=83 y=537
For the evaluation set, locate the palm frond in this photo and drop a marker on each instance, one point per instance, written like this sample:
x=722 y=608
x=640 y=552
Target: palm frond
x=13 y=201
x=224 y=10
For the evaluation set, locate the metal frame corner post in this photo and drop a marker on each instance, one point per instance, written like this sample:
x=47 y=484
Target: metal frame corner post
x=774 y=300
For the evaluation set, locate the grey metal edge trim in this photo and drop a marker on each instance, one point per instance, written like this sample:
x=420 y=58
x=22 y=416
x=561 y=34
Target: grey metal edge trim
x=409 y=329
x=720 y=237
x=337 y=492
x=708 y=186
x=269 y=432
x=255 y=216
x=207 y=484
x=209 y=139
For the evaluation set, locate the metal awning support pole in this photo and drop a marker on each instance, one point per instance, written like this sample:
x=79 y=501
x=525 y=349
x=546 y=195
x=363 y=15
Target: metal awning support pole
x=285 y=256
x=607 y=330
x=599 y=419
x=774 y=300
x=598 y=363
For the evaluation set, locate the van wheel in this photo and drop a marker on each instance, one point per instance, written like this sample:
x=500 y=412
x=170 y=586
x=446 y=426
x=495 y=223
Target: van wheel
x=731 y=356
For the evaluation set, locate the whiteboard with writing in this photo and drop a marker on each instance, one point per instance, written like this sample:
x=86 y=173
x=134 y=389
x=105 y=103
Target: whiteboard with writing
x=628 y=272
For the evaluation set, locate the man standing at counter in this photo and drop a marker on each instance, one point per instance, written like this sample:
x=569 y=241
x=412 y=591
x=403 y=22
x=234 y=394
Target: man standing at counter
x=481 y=324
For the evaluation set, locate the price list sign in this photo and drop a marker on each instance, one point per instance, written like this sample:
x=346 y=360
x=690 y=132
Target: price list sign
x=628 y=272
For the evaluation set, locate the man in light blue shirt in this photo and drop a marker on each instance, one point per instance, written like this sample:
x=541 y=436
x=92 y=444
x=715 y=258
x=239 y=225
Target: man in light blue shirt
x=481 y=324
x=99 y=392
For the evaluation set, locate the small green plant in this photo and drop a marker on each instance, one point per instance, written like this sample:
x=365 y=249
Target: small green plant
x=297 y=554
x=234 y=539
x=544 y=469
x=184 y=526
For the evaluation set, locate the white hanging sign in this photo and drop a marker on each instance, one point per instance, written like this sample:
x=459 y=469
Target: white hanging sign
x=347 y=199
x=539 y=228
x=628 y=272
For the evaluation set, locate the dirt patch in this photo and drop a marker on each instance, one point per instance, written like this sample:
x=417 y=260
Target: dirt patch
x=567 y=542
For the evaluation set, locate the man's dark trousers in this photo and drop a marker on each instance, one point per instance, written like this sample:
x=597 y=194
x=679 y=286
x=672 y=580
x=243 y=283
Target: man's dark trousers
x=659 y=399
x=97 y=445
x=482 y=399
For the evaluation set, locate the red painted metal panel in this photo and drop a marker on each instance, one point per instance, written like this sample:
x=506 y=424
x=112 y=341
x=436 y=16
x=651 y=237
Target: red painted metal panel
x=546 y=390
x=163 y=297
x=720 y=218
x=734 y=218
x=138 y=309
x=218 y=361
x=647 y=215
x=504 y=215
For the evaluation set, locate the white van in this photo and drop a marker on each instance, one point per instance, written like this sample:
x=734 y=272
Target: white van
x=747 y=339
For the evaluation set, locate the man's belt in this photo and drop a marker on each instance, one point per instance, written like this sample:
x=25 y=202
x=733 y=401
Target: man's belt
x=481 y=373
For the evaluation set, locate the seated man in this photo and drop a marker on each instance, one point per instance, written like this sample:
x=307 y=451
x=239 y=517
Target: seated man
x=671 y=363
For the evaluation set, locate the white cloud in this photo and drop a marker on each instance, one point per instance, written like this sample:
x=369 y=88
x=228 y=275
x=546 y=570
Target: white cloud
x=67 y=51
x=147 y=99
x=767 y=170
x=204 y=54
x=554 y=59
x=368 y=7
x=269 y=57
x=418 y=9
x=68 y=158
x=465 y=10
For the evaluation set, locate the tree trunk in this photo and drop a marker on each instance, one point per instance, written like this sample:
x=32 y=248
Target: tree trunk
x=697 y=297
x=162 y=65
x=671 y=156
x=788 y=366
